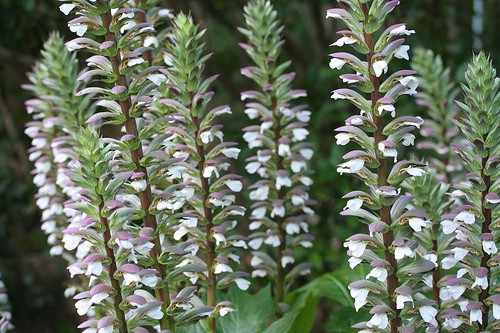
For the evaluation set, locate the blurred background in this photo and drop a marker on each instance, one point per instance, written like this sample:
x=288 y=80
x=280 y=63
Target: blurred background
x=36 y=281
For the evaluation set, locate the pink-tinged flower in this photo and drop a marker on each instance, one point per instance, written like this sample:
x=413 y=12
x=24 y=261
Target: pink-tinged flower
x=343 y=138
x=88 y=298
x=449 y=226
x=402 y=52
x=466 y=217
x=388 y=149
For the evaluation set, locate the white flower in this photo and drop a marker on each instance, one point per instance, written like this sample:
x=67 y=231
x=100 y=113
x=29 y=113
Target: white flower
x=351 y=166
x=388 y=152
x=476 y=315
x=380 y=273
x=408 y=139
x=343 y=138
x=221 y=268
x=299 y=134
x=401 y=30
x=387 y=107
x=336 y=63
x=292 y=228
x=336 y=95
x=417 y=223
x=139 y=185
x=66 y=8
x=496 y=311
x=78 y=28
x=284 y=150
x=401 y=251
x=83 y=305
x=273 y=240
x=283 y=182
x=482 y=282
x=256 y=243
x=431 y=257
x=489 y=247
x=278 y=211
x=344 y=41
x=428 y=314
x=285 y=260
x=452 y=323
x=411 y=83
x=401 y=299
x=354 y=261
x=466 y=217
x=297 y=166
x=380 y=67
x=242 y=283
x=354 y=204
x=356 y=248
x=235 y=185
x=451 y=292
x=360 y=296
x=231 y=152
x=379 y=320
x=448 y=226
x=402 y=52
x=259 y=212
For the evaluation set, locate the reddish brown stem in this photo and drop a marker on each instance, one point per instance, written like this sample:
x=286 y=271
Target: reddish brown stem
x=485 y=229
x=205 y=185
x=112 y=270
x=149 y=220
x=382 y=173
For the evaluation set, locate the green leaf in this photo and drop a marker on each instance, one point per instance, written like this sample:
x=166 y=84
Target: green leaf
x=283 y=325
x=252 y=314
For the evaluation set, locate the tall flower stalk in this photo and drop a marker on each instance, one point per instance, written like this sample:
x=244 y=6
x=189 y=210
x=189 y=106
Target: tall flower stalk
x=202 y=193
x=390 y=248
x=56 y=112
x=281 y=211
x=474 y=225
x=437 y=94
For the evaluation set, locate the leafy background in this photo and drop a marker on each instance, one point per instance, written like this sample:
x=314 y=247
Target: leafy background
x=36 y=281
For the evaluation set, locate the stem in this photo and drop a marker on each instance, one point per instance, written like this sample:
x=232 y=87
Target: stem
x=485 y=229
x=280 y=274
x=205 y=185
x=162 y=293
x=382 y=173
x=112 y=269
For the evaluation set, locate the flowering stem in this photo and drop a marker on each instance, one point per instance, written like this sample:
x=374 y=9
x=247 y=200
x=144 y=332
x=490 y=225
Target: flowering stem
x=280 y=274
x=162 y=293
x=382 y=173
x=212 y=279
x=485 y=229
x=112 y=269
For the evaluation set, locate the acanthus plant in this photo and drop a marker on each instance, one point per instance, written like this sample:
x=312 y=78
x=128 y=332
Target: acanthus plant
x=144 y=258
x=203 y=192
x=56 y=113
x=437 y=94
x=470 y=294
x=393 y=287
x=281 y=212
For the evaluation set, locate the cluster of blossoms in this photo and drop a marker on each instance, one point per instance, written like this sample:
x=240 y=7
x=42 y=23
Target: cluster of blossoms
x=202 y=192
x=399 y=266
x=437 y=95
x=5 y=315
x=55 y=114
x=469 y=297
x=151 y=212
x=281 y=211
